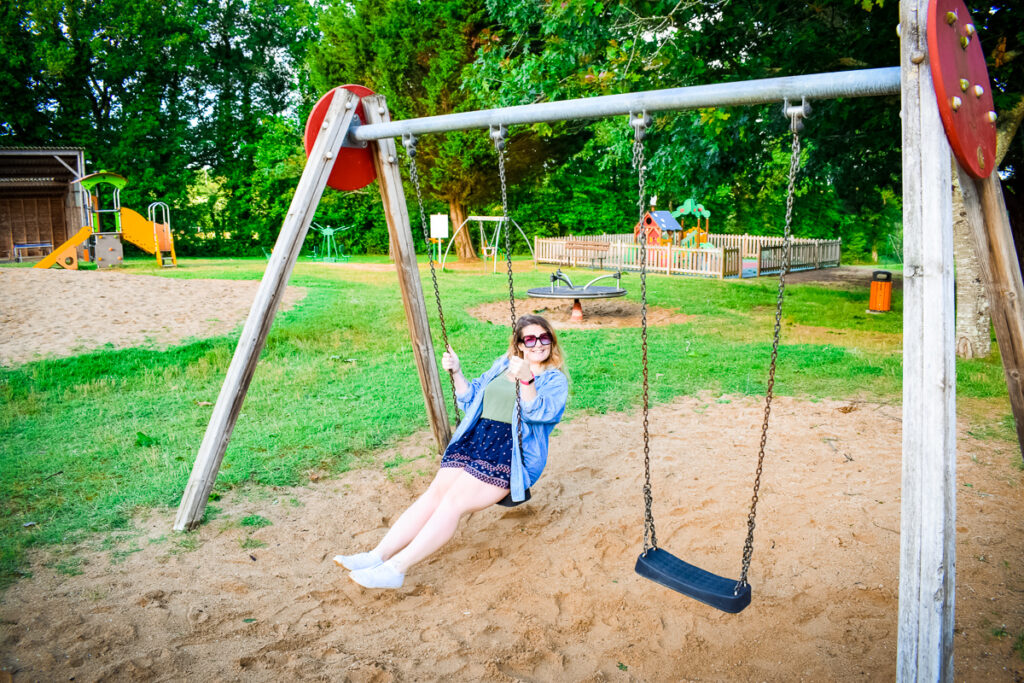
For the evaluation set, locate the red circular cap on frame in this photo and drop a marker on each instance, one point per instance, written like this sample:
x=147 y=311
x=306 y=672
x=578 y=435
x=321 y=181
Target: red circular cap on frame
x=353 y=168
x=962 y=86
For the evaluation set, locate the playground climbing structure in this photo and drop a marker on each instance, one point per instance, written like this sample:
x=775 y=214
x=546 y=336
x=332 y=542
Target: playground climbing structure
x=697 y=236
x=100 y=242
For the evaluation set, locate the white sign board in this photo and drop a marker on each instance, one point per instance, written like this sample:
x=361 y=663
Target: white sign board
x=439 y=226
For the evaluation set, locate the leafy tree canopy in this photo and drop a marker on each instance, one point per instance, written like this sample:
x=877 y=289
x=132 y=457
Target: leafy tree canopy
x=201 y=103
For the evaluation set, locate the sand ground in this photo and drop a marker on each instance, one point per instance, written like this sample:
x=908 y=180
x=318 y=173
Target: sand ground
x=53 y=313
x=546 y=591
x=597 y=313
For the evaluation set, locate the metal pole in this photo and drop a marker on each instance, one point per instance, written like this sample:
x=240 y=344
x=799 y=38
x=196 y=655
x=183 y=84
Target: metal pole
x=861 y=83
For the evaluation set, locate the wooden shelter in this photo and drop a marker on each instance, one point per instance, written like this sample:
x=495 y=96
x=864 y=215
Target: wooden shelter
x=40 y=205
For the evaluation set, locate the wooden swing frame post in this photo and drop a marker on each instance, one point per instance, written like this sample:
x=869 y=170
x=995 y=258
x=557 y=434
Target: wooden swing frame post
x=928 y=502
x=336 y=126
x=389 y=179
x=261 y=314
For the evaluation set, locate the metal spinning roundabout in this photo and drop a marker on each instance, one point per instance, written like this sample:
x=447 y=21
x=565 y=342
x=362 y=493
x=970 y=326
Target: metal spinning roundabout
x=571 y=291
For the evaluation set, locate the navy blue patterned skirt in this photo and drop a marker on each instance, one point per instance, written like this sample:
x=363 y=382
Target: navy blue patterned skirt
x=485 y=452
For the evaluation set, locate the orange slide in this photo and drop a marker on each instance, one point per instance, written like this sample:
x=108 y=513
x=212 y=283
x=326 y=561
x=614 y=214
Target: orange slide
x=66 y=255
x=149 y=236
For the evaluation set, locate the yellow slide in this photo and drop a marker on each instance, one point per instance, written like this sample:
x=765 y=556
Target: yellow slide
x=66 y=255
x=150 y=237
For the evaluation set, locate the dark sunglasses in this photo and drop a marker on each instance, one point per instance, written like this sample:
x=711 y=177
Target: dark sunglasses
x=530 y=341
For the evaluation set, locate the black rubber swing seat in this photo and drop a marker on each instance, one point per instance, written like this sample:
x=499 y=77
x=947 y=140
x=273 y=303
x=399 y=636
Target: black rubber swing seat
x=509 y=503
x=719 y=592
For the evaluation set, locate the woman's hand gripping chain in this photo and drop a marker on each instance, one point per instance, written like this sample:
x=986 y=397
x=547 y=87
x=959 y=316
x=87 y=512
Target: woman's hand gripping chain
x=450 y=361
x=519 y=369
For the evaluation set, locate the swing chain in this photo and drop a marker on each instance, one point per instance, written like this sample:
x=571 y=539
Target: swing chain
x=409 y=142
x=795 y=115
x=498 y=134
x=640 y=123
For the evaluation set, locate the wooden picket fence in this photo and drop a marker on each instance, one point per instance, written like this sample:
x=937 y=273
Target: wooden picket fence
x=724 y=260
x=804 y=255
x=718 y=263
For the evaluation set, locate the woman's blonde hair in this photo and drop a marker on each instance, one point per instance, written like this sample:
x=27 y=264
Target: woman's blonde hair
x=556 y=359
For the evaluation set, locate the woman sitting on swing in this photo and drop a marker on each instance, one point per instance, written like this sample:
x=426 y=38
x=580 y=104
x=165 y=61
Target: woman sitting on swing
x=484 y=464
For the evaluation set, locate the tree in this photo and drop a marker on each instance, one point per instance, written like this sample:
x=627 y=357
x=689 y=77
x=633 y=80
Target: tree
x=245 y=80
x=416 y=53
x=547 y=51
x=107 y=76
x=175 y=96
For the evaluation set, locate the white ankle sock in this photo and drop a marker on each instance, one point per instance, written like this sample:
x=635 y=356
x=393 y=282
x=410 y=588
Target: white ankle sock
x=382 y=576
x=358 y=561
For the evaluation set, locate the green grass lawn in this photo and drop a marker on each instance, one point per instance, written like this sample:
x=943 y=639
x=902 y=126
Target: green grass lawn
x=86 y=442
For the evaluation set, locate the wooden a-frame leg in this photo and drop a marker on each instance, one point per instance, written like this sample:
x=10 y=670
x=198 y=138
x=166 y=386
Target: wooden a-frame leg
x=261 y=315
x=385 y=160
x=993 y=242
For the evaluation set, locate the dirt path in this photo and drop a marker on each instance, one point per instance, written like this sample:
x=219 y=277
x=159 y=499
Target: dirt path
x=844 y=276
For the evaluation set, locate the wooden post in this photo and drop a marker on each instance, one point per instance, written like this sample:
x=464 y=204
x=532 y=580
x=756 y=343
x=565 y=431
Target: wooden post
x=264 y=307
x=385 y=160
x=928 y=504
x=993 y=242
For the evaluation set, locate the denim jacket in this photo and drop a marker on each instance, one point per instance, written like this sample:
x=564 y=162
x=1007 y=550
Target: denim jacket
x=539 y=417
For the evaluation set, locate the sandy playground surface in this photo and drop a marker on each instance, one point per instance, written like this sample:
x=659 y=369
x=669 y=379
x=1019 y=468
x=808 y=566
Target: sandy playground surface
x=597 y=313
x=546 y=591
x=65 y=312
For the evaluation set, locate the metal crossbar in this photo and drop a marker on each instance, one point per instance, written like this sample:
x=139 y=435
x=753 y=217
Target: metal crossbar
x=859 y=83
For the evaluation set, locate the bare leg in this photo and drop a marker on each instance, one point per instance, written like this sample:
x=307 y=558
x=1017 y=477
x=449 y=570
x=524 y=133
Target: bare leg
x=468 y=494
x=416 y=515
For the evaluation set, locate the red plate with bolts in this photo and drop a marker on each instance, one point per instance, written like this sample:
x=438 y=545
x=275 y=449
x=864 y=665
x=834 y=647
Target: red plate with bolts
x=962 y=86
x=353 y=168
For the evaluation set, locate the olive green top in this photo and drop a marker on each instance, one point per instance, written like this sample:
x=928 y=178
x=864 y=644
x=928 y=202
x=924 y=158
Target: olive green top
x=499 y=399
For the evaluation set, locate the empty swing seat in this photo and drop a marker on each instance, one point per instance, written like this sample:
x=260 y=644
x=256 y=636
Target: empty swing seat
x=665 y=568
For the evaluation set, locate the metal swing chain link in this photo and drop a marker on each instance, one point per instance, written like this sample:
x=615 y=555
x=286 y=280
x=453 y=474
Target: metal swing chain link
x=794 y=166
x=639 y=125
x=498 y=136
x=409 y=141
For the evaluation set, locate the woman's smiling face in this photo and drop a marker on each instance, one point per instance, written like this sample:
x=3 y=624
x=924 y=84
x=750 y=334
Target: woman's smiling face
x=536 y=335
